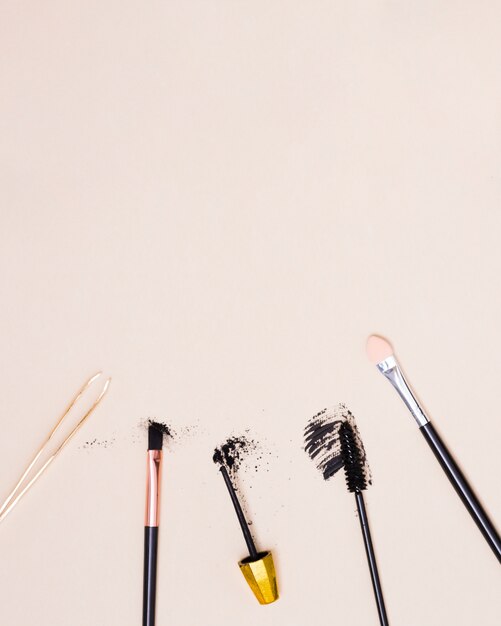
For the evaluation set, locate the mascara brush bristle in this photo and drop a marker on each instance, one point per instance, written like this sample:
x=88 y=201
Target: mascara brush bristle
x=353 y=456
x=332 y=441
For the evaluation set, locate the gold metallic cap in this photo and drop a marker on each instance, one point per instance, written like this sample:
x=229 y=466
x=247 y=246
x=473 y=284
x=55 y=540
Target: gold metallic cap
x=260 y=576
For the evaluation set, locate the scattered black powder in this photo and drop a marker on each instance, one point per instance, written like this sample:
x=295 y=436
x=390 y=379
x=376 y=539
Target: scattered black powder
x=322 y=440
x=98 y=443
x=233 y=455
x=234 y=451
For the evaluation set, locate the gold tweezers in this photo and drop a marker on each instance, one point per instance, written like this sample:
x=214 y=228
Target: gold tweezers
x=18 y=492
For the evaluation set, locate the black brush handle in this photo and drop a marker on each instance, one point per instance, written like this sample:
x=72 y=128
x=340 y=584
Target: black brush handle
x=251 y=546
x=371 y=558
x=150 y=574
x=463 y=489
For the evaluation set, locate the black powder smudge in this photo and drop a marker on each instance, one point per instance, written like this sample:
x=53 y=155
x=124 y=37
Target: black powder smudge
x=322 y=441
x=233 y=452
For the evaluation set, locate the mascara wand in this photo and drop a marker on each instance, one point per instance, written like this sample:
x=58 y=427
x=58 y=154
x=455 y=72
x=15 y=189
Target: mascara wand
x=356 y=482
x=258 y=568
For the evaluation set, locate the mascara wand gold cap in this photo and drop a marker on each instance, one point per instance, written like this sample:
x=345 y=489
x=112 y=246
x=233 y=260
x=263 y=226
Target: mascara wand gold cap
x=260 y=575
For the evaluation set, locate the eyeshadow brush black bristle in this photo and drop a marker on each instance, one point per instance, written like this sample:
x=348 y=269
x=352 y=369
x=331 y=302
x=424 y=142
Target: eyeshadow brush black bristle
x=155 y=437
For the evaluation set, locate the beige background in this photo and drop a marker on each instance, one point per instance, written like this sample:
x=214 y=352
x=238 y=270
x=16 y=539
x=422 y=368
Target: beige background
x=216 y=202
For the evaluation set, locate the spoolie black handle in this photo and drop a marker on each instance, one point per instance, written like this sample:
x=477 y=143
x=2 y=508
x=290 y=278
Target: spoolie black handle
x=353 y=457
x=371 y=559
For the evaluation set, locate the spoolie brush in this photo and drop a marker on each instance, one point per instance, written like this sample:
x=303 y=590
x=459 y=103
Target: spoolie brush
x=357 y=483
x=332 y=440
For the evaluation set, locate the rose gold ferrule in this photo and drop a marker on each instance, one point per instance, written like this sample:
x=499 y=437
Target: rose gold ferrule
x=154 y=462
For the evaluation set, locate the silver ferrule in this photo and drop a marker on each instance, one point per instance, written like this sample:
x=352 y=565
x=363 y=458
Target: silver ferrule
x=390 y=368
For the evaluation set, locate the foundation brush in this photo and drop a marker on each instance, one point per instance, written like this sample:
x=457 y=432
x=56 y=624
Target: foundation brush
x=333 y=442
x=381 y=354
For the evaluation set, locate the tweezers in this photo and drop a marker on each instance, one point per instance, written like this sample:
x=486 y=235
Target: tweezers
x=25 y=483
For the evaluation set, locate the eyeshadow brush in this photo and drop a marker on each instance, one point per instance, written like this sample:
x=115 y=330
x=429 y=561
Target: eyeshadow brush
x=154 y=462
x=381 y=354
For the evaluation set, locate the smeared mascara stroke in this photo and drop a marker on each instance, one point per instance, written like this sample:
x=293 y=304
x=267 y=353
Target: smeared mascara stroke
x=323 y=442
